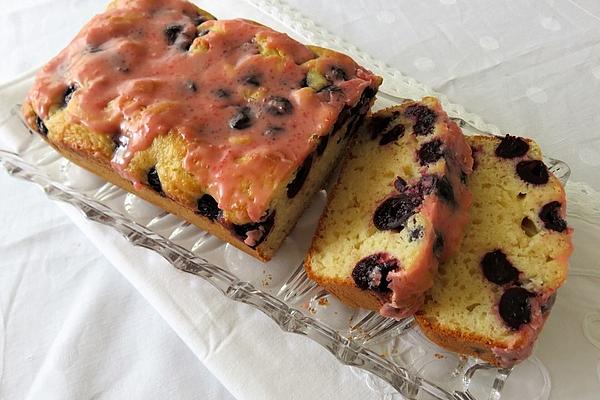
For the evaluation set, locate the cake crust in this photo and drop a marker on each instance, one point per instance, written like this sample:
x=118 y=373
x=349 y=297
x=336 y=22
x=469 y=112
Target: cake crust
x=82 y=153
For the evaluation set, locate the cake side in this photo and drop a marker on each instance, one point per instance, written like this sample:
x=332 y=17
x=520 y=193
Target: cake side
x=235 y=123
x=398 y=206
x=492 y=298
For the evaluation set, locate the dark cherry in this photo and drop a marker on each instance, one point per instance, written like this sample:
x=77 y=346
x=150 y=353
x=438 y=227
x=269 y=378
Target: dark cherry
x=511 y=147
x=341 y=119
x=172 y=32
x=371 y=272
x=514 y=307
x=251 y=80
x=393 y=213
x=400 y=184
x=369 y=93
x=208 y=207
x=191 y=86
x=424 y=119
x=550 y=215
x=355 y=121
x=336 y=74
x=415 y=234
x=378 y=124
x=122 y=67
x=41 y=127
x=68 y=94
x=273 y=131
x=430 y=152
x=264 y=227
x=533 y=171
x=497 y=269
x=120 y=140
x=154 y=181
x=241 y=119
x=94 y=49
x=223 y=93
x=277 y=105
x=323 y=141
x=185 y=45
x=365 y=99
x=444 y=190
x=392 y=135
x=293 y=188
x=250 y=47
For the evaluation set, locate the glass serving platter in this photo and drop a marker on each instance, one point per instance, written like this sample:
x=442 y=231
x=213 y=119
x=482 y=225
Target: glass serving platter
x=394 y=351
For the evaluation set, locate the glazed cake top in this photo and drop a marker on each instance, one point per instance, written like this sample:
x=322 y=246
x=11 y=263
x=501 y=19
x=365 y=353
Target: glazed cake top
x=250 y=102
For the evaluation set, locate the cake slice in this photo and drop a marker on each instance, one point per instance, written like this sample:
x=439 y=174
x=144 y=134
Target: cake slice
x=491 y=299
x=399 y=206
x=228 y=124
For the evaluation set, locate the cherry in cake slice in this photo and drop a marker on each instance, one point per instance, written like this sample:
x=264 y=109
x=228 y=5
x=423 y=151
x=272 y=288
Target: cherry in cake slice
x=398 y=207
x=490 y=300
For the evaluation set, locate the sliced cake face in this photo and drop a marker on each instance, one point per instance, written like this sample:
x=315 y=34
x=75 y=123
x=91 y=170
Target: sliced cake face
x=491 y=299
x=398 y=207
x=228 y=119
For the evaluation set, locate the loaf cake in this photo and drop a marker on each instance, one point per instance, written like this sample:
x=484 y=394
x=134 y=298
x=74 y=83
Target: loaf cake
x=227 y=124
x=398 y=207
x=491 y=298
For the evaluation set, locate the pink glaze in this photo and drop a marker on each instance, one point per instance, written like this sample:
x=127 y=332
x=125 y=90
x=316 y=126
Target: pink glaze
x=131 y=82
x=409 y=285
x=450 y=222
x=522 y=345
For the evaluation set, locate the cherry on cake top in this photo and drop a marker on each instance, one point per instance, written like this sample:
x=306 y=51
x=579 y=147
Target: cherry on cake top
x=250 y=102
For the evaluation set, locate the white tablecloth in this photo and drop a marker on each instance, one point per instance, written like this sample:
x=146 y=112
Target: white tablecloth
x=71 y=327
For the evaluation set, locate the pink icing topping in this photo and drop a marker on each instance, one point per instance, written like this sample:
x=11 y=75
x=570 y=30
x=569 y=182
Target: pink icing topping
x=136 y=78
x=409 y=286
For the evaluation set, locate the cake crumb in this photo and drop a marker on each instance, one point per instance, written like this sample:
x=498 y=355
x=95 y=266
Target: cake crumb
x=267 y=280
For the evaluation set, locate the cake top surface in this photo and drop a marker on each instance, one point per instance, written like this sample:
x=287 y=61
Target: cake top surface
x=250 y=102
